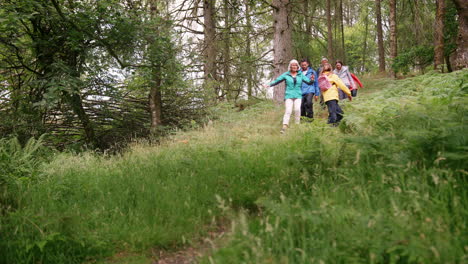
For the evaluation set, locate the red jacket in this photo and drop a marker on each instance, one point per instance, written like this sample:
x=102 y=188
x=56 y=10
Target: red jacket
x=356 y=80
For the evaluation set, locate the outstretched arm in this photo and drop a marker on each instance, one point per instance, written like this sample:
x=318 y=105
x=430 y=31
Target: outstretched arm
x=278 y=80
x=342 y=86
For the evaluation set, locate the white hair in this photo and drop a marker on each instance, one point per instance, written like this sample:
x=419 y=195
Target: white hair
x=291 y=62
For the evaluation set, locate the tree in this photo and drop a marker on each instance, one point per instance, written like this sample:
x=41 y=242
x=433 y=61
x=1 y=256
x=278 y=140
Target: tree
x=366 y=32
x=210 y=52
x=330 y=32
x=380 y=41
x=282 y=43
x=461 y=54
x=450 y=33
x=342 y=31
x=248 y=50
x=439 y=35
x=393 y=33
x=227 y=52
x=155 y=95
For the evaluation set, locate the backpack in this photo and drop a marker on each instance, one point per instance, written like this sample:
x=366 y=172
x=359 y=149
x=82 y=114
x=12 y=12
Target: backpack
x=324 y=83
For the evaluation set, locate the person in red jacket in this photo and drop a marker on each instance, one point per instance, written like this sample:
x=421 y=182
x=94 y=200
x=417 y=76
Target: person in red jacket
x=358 y=82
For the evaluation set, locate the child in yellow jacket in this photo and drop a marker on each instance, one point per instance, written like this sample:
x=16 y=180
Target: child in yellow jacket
x=331 y=96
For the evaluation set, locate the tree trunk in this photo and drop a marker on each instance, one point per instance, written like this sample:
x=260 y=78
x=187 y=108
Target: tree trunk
x=417 y=26
x=439 y=36
x=366 y=32
x=155 y=101
x=248 y=50
x=393 y=34
x=342 y=32
x=308 y=21
x=380 y=36
x=77 y=105
x=155 y=95
x=227 y=52
x=447 y=62
x=210 y=75
x=336 y=23
x=330 y=32
x=461 y=54
x=282 y=43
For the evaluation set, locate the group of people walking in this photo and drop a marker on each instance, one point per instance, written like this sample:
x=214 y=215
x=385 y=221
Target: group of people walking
x=304 y=85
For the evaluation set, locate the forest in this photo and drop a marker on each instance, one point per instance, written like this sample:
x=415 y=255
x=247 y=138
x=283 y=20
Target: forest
x=134 y=127
x=97 y=74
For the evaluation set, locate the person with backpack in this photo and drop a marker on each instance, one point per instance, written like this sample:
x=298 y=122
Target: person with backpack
x=345 y=76
x=309 y=91
x=329 y=84
x=293 y=94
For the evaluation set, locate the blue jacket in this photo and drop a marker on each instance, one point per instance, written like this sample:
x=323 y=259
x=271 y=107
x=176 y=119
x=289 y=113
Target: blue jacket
x=313 y=88
x=293 y=87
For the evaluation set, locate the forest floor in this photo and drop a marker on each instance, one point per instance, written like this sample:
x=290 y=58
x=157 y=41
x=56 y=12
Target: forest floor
x=385 y=186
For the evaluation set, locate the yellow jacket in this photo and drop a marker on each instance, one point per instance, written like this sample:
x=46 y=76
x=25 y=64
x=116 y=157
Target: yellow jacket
x=336 y=82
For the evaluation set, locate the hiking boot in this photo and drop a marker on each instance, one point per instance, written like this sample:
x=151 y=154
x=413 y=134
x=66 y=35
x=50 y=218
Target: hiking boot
x=283 y=130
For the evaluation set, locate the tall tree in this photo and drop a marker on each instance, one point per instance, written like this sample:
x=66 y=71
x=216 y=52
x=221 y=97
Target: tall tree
x=393 y=33
x=380 y=41
x=439 y=35
x=210 y=52
x=248 y=49
x=330 y=32
x=366 y=32
x=282 y=43
x=417 y=21
x=461 y=54
x=342 y=32
x=227 y=51
x=155 y=95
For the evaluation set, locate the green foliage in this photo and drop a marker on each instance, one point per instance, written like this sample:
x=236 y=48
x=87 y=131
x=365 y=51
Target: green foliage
x=19 y=166
x=417 y=56
x=450 y=28
x=70 y=68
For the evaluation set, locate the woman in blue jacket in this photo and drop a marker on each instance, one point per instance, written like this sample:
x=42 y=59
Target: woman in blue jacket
x=293 y=95
x=309 y=91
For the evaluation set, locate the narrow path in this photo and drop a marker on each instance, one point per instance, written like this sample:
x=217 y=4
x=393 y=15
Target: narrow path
x=190 y=254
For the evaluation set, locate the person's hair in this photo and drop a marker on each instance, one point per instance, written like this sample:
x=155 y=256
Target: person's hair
x=338 y=61
x=326 y=67
x=291 y=62
x=324 y=59
x=305 y=60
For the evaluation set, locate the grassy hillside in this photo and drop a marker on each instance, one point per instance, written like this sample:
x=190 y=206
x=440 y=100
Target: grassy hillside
x=390 y=187
x=387 y=186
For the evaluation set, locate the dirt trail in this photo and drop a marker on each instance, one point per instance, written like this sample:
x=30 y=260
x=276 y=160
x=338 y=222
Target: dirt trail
x=190 y=254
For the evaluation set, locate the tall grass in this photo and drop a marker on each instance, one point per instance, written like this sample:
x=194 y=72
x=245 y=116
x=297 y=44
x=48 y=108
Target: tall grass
x=386 y=187
x=87 y=206
x=390 y=187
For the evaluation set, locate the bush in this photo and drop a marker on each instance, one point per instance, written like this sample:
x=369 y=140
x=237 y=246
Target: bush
x=421 y=56
x=19 y=165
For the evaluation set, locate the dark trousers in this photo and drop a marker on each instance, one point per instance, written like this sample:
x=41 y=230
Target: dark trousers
x=307 y=106
x=335 y=114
